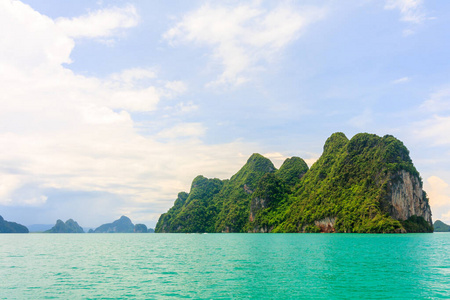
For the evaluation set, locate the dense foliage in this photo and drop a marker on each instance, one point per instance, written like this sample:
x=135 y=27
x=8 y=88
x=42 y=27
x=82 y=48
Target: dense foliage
x=70 y=226
x=233 y=200
x=347 y=186
x=417 y=224
x=193 y=212
x=11 y=227
x=350 y=182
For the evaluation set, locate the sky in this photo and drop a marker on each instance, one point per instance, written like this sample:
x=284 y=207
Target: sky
x=111 y=108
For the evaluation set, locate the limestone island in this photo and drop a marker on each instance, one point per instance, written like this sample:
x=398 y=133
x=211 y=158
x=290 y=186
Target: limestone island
x=440 y=226
x=11 y=227
x=367 y=184
x=70 y=226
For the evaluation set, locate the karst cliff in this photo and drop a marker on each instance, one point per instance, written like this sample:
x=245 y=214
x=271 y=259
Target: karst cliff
x=367 y=184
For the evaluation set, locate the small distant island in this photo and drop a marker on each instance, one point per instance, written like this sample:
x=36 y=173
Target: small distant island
x=122 y=225
x=11 y=227
x=70 y=226
x=440 y=226
x=367 y=184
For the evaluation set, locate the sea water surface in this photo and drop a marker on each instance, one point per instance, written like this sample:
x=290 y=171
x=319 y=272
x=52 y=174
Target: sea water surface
x=215 y=266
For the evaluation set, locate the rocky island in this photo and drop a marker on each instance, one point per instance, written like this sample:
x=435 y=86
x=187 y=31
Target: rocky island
x=70 y=226
x=440 y=226
x=11 y=227
x=122 y=225
x=367 y=184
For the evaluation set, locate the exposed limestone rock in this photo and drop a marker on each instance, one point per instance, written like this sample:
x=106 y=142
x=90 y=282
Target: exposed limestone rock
x=326 y=224
x=367 y=184
x=247 y=189
x=256 y=204
x=407 y=198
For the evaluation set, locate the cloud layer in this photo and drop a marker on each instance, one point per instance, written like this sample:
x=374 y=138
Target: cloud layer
x=244 y=38
x=63 y=131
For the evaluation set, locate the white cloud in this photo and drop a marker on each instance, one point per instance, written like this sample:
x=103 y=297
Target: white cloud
x=60 y=130
x=276 y=157
x=438 y=101
x=446 y=217
x=103 y=115
x=434 y=129
x=8 y=184
x=183 y=130
x=129 y=77
x=41 y=41
x=36 y=201
x=245 y=37
x=410 y=10
x=401 y=80
x=438 y=192
x=101 y=23
x=175 y=88
x=182 y=108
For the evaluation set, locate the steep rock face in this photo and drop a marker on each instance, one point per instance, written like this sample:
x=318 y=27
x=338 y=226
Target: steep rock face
x=326 y=224
x=407 y=197
x=11 y=227
x=351 y=182
x=367 y=184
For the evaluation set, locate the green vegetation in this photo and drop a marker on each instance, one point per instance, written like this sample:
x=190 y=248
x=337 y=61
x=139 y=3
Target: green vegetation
x=440 y=226
x=350 y=182
x=11 y=227
x=233 y=200
x=349 y=186
x=417 y=224
x=193 y=212
x=69 y=227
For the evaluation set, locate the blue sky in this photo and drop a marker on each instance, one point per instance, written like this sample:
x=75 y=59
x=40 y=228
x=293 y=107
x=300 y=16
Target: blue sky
x=111 y=108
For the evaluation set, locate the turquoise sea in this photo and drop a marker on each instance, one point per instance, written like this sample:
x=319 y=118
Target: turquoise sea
x=227 y=266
